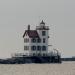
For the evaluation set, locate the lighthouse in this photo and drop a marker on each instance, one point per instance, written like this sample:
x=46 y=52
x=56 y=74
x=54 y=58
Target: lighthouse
x=36 y=47
x=36 y=41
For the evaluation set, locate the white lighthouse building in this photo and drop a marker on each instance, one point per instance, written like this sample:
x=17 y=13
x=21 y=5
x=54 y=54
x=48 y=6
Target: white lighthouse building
x=36 y=41
x=36 y=47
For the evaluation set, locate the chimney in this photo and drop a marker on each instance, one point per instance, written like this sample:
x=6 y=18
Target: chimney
x=28 y=27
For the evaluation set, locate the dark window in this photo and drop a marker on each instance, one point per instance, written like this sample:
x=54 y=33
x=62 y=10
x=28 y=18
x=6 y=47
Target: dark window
x=44 y=54
x=43 y=40
x=38 y=40
x=26 y=47
x=26 y=40
x=33 y=54
x=33 y=40
x=39 y=54
x=43 y=48
x=39 y=48
x=33 y=47
x=43 y=33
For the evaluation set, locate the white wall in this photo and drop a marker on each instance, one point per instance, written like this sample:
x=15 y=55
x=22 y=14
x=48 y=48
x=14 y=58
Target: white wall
x=27 y=52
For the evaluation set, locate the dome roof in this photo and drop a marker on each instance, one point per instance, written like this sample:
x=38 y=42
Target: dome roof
x=42 y=22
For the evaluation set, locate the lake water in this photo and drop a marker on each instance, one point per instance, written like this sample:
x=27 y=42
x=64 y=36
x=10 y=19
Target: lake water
x=66 y=68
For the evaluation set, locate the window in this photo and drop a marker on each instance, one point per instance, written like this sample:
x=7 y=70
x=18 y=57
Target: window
x=44 y=54
x=38 y=40
x=39 y=54
x=39 y=48
x=33 y=54
x=33 y=47
x=43 y=40
x=26 y=40
x=33 y=40
x=43 y=33
x=43 y=48
x=26 y=47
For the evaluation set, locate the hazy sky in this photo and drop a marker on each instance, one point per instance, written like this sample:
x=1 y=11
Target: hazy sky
x=15 y=15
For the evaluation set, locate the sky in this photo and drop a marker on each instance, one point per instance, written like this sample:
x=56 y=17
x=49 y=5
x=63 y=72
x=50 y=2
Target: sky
x=15 y=15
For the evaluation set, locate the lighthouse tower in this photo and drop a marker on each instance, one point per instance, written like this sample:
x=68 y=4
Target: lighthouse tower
x=43 y=31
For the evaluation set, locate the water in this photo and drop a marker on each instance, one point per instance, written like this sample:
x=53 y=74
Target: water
x=66 y=68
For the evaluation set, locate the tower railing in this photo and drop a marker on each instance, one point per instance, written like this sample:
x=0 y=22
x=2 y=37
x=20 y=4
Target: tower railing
x=42 y=27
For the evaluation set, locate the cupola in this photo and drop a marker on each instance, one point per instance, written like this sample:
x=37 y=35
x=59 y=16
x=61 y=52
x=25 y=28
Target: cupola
x=42 y=23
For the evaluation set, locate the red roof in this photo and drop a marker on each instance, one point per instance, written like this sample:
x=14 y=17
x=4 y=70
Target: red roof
x=31 y=33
